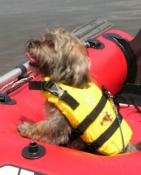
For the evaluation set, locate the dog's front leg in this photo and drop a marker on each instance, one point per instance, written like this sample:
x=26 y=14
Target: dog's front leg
x=54 y=130
x=28 y=130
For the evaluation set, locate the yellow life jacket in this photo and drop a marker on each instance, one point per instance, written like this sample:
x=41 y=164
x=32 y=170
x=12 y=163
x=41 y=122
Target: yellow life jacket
x=88 y=100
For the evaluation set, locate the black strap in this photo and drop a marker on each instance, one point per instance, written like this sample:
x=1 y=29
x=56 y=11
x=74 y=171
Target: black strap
x=37 y=85
x=130 y=88
x=53 y=87
x=129 y=54
x=69 y=100
x=105 y=136
x=79 y=130
x=130 y=58
x=132 y=94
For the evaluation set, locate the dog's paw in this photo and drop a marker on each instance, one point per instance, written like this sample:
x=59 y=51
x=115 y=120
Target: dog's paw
x=25 y=129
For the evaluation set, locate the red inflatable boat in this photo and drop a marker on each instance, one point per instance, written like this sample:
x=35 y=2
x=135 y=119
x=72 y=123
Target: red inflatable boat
x=111 y=65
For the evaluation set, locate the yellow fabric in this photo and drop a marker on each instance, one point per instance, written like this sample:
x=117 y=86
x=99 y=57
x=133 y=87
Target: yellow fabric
x=88 y=99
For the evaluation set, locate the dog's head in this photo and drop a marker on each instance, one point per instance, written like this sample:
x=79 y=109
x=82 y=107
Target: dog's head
x=61 y=56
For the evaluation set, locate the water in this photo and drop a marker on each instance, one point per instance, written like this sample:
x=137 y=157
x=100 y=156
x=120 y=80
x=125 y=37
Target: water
x=22 y=19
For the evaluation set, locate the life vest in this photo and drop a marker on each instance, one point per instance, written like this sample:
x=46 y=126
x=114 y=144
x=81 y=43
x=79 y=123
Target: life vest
x=88 y=100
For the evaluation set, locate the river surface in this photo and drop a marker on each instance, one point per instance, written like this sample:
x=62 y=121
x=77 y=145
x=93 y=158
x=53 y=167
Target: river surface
x=21 y=20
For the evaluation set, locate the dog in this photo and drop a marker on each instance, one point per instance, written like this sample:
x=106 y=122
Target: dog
x=62 y=57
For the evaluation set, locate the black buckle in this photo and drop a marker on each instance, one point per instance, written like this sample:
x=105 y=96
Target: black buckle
x=94 y=43
x=52 y=87
x=106 y=92
x=55 y=89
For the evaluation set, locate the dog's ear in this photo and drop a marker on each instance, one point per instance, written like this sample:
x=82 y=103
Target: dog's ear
x=78 y=64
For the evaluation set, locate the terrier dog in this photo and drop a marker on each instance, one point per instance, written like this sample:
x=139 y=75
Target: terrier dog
x=63 y=58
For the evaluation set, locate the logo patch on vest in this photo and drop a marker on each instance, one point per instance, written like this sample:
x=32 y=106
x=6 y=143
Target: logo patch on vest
x=106 y=119
x=90 y=100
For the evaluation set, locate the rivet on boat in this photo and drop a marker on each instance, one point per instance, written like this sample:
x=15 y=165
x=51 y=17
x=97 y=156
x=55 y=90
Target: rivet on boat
x=33 y=151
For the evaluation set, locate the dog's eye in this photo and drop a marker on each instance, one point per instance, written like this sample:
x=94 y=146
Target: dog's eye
x=31 y=45
x=50 y=43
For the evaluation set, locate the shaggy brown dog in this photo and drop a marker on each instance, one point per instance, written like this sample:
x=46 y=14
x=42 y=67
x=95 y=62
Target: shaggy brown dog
x=63 y=58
